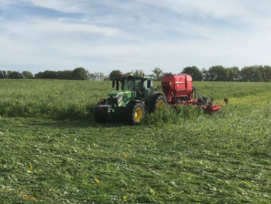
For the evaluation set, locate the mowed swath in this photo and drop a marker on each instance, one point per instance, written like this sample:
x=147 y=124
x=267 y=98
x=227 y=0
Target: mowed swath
x=169 y=158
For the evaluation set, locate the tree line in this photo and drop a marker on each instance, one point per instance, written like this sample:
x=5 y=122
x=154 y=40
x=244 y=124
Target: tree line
x=78 y=73
x=256 y=73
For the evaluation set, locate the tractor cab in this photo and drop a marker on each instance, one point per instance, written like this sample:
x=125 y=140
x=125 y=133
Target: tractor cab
x=142 y=86
x=132 y=84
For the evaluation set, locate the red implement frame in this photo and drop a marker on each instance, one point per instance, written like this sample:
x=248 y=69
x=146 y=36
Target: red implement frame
x=179 y=91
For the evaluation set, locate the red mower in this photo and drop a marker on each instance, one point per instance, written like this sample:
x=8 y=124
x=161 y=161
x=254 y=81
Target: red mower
x=178 y=90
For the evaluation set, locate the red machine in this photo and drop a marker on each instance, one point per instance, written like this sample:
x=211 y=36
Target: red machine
x=178 y=89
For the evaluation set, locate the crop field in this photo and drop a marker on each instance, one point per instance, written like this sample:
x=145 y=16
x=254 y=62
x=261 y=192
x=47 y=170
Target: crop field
x=52 y=151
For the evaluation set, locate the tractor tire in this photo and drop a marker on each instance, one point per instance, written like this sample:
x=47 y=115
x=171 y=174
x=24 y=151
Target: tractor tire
x=157 y=102
x=133 y=113
x=100 y=115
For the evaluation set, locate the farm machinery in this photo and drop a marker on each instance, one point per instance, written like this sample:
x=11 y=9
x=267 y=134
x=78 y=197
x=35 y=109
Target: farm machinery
x=135 y=97
x=178 y=90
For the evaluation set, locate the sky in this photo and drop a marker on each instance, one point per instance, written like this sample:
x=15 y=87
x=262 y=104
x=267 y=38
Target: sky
x=126 y=35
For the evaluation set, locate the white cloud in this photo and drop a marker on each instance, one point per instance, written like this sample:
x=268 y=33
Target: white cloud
x=219 y=8
x=225 y=32
x=55 y=30
x=60 y=5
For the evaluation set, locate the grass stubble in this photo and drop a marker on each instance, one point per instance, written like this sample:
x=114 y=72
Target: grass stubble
x=52 y=151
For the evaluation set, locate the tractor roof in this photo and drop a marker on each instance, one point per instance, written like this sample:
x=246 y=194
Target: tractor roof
x=135 y=77
x=122 y=77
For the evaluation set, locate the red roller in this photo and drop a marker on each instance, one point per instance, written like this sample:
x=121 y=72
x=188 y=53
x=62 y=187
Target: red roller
x=177 y=86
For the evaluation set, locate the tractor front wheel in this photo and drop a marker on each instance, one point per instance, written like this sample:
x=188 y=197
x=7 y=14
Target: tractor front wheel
x=157 y=102
x=133 y=113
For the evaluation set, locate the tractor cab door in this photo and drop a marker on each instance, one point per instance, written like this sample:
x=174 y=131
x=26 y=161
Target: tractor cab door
x=147 y=88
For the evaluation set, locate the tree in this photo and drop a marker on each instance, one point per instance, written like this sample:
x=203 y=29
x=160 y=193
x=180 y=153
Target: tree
x=252 y=73
x=91 y=77
x=99 y=76
x=217 y=73
x=3 y=74
x=167 y=73
x=15 y=75
x=49 y=75
x=232 y=74
x=27 y=75
x=263 y=75
x=38 y=75
x=113 y=74
x=194 y=72
x=138 y=72
x=66 y=74
x=158 y=73
x=79 y=74
x=205 y=74
x=267 y=71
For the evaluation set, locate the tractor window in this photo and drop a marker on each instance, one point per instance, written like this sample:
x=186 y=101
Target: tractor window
x=132 y=84
x=128 y=84
x=145 y=86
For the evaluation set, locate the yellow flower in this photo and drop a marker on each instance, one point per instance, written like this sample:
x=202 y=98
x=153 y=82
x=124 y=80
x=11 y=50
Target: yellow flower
x=124 y=197
x=97 y=181
x=31 y=166
x=124 y=154
x=28 y=197
x=29 y=172
x=33 y=101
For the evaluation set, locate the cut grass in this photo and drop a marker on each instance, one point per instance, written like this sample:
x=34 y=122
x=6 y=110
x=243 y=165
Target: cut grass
x=222 y=158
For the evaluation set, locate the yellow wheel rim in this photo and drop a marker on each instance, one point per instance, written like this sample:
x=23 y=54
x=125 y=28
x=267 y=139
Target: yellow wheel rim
x=138 y=114
x=159 y=105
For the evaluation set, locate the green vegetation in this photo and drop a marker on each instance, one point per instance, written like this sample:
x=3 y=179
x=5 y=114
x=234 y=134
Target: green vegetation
x=194 y=72
x=52 y=151
x=256 y=73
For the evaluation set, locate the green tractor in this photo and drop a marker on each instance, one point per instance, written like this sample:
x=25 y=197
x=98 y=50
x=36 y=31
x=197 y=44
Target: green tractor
x=133 y=99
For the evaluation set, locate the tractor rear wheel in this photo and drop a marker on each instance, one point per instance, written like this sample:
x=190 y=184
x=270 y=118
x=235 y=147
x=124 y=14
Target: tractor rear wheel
x=157 y=102
x=133 y=113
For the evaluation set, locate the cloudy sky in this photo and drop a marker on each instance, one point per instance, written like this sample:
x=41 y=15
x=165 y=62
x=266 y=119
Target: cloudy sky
x=103 y=35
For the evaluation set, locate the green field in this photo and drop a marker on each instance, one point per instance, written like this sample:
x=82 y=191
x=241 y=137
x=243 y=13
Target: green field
x=52 y=151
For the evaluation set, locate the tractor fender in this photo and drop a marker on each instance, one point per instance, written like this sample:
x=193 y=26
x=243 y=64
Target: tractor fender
x=152 y=101
x=138 y=101
x=154 y=96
